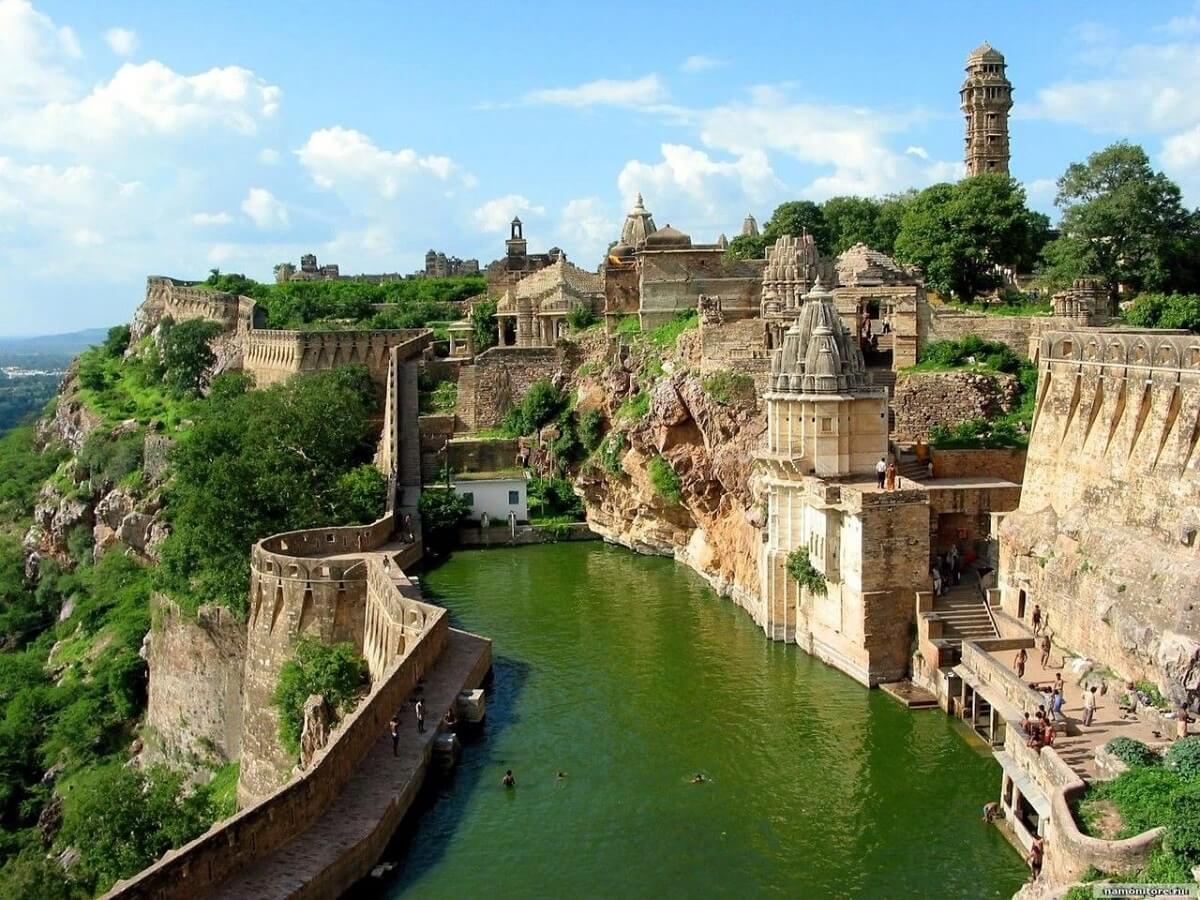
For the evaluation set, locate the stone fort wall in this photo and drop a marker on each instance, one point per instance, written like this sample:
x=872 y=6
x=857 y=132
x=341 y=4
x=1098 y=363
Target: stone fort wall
x=1105 y=538
x=500 y=377
x=404 y=638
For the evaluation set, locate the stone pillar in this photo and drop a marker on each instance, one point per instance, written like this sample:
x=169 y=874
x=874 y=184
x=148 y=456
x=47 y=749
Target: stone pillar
x=525 y=323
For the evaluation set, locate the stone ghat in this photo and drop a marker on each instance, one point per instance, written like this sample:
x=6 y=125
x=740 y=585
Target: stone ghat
x=311 y=804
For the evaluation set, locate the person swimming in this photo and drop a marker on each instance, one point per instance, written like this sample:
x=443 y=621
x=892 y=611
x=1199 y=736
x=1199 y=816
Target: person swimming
x=508 y=780
x=699 y=779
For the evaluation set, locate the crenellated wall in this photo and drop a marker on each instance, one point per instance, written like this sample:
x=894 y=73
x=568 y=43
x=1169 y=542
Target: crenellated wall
x=1105 y=539
x=309 y=583
x=274 y=356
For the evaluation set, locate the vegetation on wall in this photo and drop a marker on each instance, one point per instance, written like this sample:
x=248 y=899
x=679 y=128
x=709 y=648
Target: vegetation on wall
x=334 y=671
x=665 y=480
x=1164 y=311
x=804 y=573
x=611 y=451
x=554 y=498
x=727 y=386
x=483 y=324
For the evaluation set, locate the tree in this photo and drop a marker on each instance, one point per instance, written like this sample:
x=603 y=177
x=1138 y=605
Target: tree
x=851 y=220
x=483 y=324
x=1165 y=311
x=1123 y=222
x=748 y=246
x=186 y=355
x=360 y=495
x=441 y=511
x=116 y=341
x=959 y=233
x=796 y=217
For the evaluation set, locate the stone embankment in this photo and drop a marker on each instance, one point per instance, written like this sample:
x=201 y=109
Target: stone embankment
x=923 y=400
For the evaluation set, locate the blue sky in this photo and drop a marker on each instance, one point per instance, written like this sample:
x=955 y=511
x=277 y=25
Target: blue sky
x=170 y=138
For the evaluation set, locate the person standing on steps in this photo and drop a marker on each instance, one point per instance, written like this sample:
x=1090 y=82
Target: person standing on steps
x=1036 y=618
x=394 y=729
x=420 y=711
x=1046 y=652
x=890 y=474
x=1019 y=663
x=880 y=472
x=1089 y=706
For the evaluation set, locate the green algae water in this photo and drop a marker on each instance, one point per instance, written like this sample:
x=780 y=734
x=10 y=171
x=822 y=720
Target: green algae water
x=630 y=675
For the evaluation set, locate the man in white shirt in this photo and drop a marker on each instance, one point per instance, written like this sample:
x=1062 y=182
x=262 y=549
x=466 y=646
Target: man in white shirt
x=880 y=472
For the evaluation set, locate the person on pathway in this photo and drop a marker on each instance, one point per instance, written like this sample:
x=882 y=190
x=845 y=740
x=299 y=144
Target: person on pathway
x=1059 y=685
x=1036 y=619
x=508 y=780
x=887 y=324
x=485 y=522
x=1019 y=664
x=420 y=711
x=1037 y=853
x=937 y=581
x=394 y=729
x=880 y=472
x=1056 y=704
x=891 y=476
x=1045 y=651
x=1089 y=706
x=955 y=563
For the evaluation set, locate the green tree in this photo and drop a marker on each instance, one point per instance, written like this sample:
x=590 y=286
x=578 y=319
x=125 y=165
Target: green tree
x=851 y=220
x=483 y=324
x=958 y=233
x=1123 y=222
x=186 y=355
x=335 y=671
x=748 y=246
x=1165 y=311
x=116 y=341
x=441 y=512
x=359 y=495
x=796 y=217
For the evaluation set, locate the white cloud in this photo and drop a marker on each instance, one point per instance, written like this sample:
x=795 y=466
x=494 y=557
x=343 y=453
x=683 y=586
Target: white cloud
x=33 y=53
x=268 y=157
x=121 y=41
x=700 y=63
x=337 y=157
x=587 y=227
x=147 y=99
x=919 y=152
x=204 y=218
x=603 y=92
x=1185 y=26
x=264 y=209
x=1043 y=189
x=495 y=215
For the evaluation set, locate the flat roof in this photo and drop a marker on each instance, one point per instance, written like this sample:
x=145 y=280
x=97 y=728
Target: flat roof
x=500 y=475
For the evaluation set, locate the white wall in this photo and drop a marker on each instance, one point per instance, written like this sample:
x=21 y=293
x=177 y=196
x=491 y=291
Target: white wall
x=492 y=495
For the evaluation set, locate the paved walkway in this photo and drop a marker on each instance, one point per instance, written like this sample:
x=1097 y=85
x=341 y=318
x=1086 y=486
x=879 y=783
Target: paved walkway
x=373 y=802
x=1077 y=746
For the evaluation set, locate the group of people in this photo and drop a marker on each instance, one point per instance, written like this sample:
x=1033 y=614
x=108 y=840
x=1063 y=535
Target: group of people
x=946 y=570
x=448 y=721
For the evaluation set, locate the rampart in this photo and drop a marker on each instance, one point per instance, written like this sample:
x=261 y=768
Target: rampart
x=183 y=300
x=1105 y=538
x=303 y=583
x=404 y=639
x=500 y=377
x=274 y=356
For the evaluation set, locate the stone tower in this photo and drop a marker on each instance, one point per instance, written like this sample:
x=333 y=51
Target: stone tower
x=986 y=99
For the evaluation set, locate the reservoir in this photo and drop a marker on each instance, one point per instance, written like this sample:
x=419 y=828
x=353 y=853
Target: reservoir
x=630 y=675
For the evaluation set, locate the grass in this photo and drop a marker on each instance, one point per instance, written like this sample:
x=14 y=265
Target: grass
x=222 y=789
x=635 y=408
x=666 y=335
x=1004 y=309
x=727 y=386
x=129 y=391
x=665 y=480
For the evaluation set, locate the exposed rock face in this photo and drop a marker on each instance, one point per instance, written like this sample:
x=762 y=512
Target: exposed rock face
x=315 y=732
x=925 y=399
x=716 y=529
x=72 y=422
x=195 y=698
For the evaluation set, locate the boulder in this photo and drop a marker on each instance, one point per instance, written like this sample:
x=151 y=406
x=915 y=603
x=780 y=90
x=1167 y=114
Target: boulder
x=1179 y=660
x=315 y=731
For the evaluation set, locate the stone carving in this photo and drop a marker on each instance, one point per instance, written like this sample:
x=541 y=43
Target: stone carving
x=710 y=310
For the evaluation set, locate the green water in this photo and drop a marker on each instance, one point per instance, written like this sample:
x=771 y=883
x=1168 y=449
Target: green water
x=631 y=675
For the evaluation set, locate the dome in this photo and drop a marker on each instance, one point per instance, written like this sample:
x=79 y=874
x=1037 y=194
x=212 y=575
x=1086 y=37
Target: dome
x=668 y=238
x=985 y=52
x=639 y=225
x=818 y=353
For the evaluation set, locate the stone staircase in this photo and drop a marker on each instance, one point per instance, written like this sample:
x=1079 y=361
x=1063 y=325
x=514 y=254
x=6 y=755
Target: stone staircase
x=963 y=610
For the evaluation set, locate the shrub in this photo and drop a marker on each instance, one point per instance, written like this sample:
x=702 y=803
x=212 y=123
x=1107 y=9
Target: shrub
x=542 y=403
x=1183 y=823
x=635 y=408
x=335 y=671
x=629 y=325
x=1133 y=753
x=555 y=497
x=483 y=324
x=1184 y=757
x=359 y=495
x=802 y=571
x=611 y=451
x=441 y=511
x=1164 y=311
x=581 y=317
x=186 y=355
x=728 y=387
x=1149 y=688
x=117 y=340
x=105 y=460
x=591 y=429
x=665 y=480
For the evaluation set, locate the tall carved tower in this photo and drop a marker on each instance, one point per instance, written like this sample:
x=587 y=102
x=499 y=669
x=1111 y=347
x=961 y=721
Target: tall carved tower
x=986 y=99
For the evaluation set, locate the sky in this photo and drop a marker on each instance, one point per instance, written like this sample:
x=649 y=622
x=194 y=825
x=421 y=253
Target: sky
x=172 y=138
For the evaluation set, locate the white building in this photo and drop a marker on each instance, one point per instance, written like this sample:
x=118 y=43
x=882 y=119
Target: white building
x=494 y=493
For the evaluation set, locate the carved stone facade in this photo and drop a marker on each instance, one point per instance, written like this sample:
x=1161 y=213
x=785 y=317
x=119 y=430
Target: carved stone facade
x=534 y=312
x=826 y=430
x=986 y=98
x=1085 y=302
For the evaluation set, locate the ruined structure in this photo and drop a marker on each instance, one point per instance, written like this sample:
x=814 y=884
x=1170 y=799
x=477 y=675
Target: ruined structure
x=826 y=430
x=986 y=96
x=874 y=286
x=1085 y=302
x=439 y=265
x=534 y=312
x=310 y=271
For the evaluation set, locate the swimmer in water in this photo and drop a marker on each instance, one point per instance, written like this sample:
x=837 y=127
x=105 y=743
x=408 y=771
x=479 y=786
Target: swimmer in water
x=699 y=779
x=508 y=780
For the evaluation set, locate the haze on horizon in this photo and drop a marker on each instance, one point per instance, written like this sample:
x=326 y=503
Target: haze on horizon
x=180 y=137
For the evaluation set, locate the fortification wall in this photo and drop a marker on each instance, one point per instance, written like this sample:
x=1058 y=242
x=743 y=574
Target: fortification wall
x=1008 y=464
x=1105 y=538
x=183 y=300
x=739 y=345
x=198 y=868
x=274 y=356
x=672 y=282
x=302 y=583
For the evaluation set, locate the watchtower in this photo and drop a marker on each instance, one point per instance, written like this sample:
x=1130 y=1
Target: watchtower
x=986 y=99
